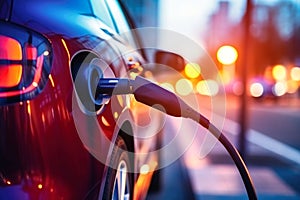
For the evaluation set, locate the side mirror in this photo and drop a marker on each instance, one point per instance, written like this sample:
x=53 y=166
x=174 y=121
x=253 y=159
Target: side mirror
x=169 y=59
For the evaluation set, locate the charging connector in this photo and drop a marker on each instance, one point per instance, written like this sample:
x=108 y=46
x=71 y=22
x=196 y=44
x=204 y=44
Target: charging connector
x=114 y=86
x=151 y=94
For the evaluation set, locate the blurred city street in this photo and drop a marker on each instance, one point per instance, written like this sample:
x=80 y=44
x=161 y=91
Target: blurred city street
x=254 y=45
x=273 y=157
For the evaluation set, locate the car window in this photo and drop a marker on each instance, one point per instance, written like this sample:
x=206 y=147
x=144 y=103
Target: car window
x=101 y=11
x=112 y=14
x=121 y=23
x=118 y=17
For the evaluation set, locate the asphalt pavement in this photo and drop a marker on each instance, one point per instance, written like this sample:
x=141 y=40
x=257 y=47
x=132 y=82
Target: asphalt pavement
x=175 y=179
x=205 y=171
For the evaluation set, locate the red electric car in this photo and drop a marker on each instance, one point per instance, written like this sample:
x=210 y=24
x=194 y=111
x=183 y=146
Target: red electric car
x=58 y=139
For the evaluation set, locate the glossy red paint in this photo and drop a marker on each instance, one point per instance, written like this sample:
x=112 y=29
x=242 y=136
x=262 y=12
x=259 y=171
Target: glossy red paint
x=42 y=155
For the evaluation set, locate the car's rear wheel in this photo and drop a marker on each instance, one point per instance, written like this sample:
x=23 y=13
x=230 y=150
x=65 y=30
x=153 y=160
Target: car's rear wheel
x=119 y=183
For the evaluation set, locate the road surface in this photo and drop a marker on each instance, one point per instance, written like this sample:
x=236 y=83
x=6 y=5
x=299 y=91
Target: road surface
x=273 y=154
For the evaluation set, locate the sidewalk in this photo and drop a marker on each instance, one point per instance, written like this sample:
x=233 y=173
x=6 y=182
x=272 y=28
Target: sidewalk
x=215 y=176
x=175 y=180
x=206 y=171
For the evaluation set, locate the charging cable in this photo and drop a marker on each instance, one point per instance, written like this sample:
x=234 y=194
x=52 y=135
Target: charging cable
x=149 y=93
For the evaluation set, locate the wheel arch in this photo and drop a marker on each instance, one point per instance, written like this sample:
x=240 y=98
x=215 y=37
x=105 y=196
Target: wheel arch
x=126 y=132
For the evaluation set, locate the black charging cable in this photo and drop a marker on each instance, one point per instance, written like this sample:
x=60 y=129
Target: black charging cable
x=151 y=94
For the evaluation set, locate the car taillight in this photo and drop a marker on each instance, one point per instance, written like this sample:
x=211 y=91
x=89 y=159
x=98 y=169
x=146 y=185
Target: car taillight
x=25 y=63
x=10 y=73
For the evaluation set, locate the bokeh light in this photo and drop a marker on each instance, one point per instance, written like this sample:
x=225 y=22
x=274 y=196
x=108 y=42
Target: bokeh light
x=145 y=169
x=295 y=73
x=184 y=87
x=208 y=87
x=292 y=86
x=279 y=72
x=237 y=88
x=256 y=89
x=192 y=70
x=227 y=55
x=168 y=86
x=279 y=89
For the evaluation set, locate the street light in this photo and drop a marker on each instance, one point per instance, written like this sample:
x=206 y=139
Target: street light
x=192 y=70
x=295 y=73
x=227 y=55
x=279 y=72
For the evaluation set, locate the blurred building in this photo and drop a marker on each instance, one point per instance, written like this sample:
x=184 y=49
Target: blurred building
x=274 y=33
x=221 y=29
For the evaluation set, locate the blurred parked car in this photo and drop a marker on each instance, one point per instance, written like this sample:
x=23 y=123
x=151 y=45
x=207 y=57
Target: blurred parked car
x=50 y=146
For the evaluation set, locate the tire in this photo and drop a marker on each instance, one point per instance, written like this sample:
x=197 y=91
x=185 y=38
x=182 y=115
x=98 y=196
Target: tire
x=116 y=187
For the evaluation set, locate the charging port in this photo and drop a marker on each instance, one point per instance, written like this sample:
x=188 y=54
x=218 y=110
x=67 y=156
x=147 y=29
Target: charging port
x=86 y=77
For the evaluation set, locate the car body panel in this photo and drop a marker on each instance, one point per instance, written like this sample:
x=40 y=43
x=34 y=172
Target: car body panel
x=5 y=6
x=42 y=155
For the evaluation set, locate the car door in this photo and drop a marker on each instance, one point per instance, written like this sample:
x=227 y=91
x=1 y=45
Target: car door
x=148 y=123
